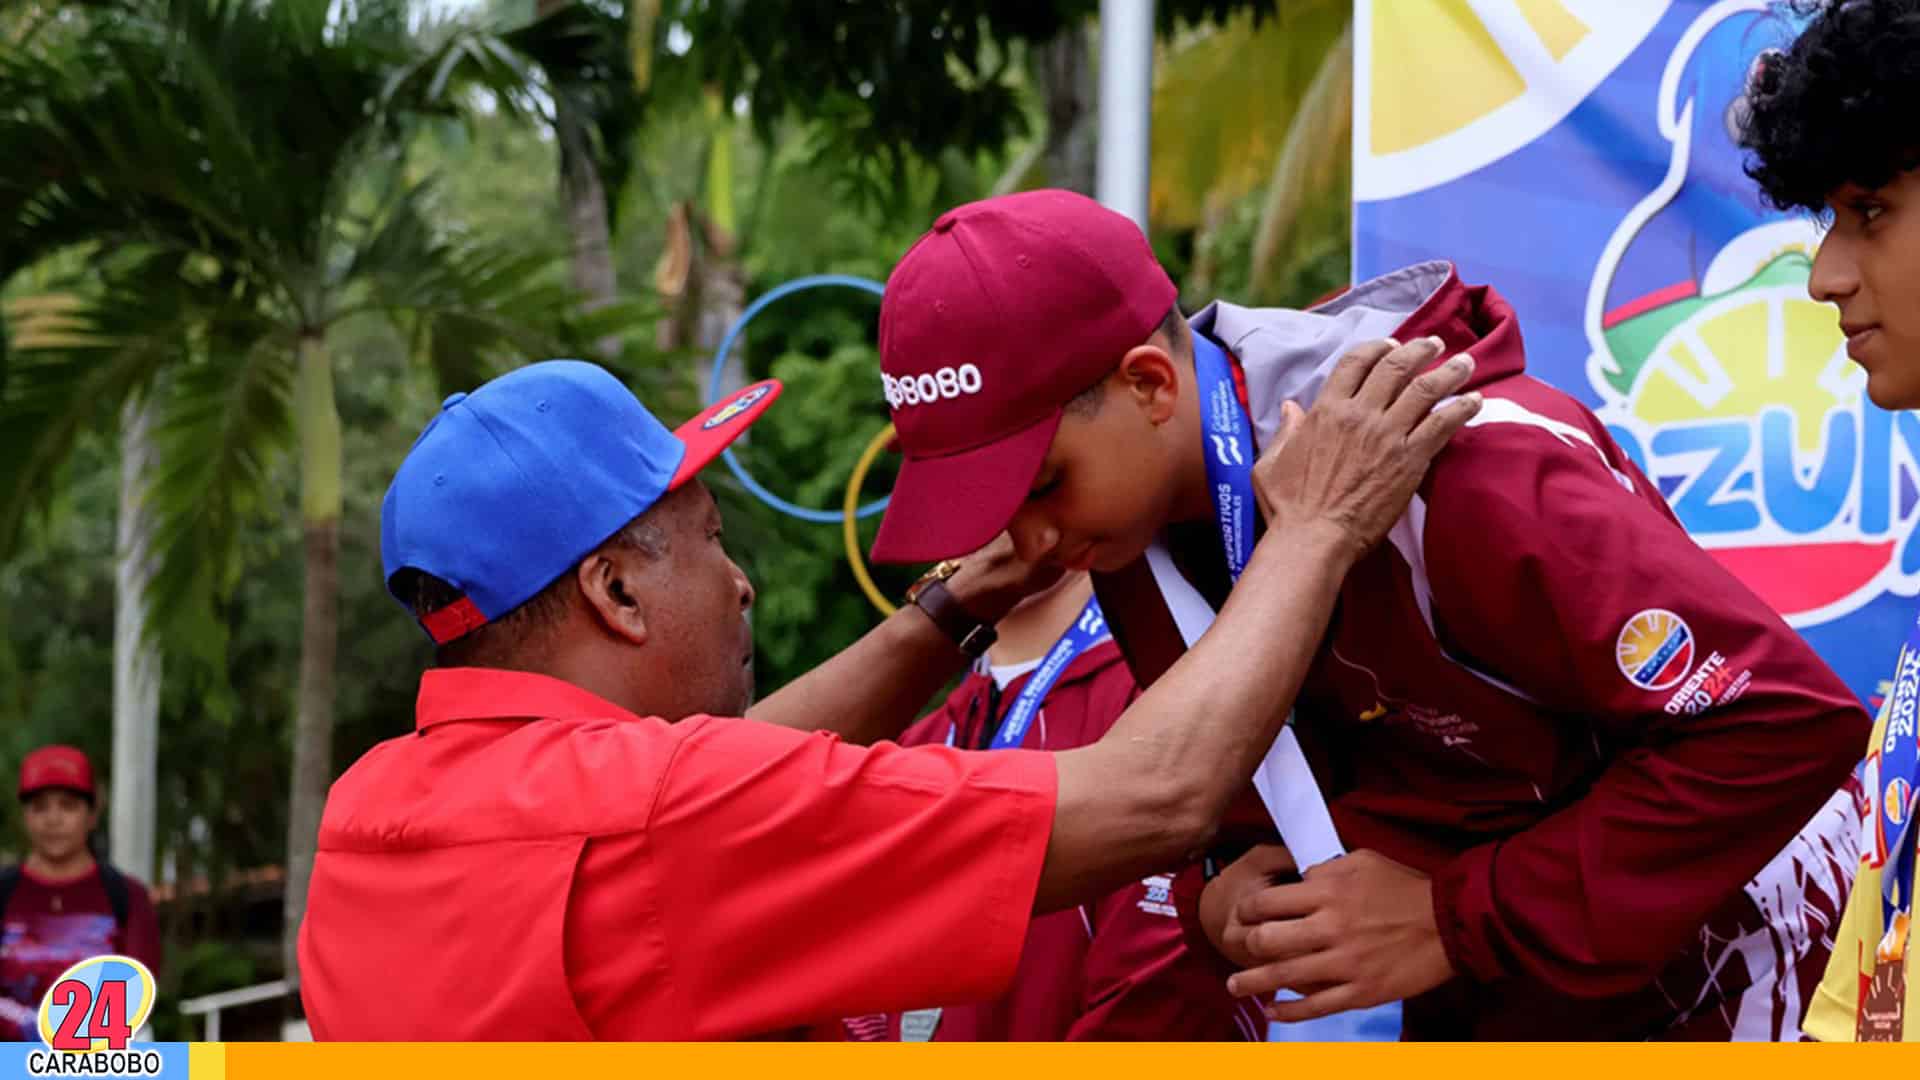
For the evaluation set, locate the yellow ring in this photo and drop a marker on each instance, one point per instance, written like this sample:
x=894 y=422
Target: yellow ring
x=850 y=529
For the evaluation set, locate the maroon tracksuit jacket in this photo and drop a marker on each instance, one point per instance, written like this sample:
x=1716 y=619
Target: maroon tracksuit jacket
x=1622 y=770
x=1115 y=969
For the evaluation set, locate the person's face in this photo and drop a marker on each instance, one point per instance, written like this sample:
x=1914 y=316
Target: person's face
x=58 y=822
x=1869 y=265
x=695 y=608
x=1110 y=480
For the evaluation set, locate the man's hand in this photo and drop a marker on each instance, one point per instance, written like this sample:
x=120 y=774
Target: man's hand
x=1260 y=868
x=1350 y=464
x=1359 y=931
x=993 y=580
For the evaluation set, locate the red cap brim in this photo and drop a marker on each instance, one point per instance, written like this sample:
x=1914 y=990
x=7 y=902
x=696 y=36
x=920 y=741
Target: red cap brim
x=716 y=428
x=949 y=506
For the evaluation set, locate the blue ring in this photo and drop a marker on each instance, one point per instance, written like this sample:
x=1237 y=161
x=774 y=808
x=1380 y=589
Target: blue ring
x=824 y=517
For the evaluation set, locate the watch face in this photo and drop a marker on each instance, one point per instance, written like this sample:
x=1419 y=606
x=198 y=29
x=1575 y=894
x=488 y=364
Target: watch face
x=940 y=571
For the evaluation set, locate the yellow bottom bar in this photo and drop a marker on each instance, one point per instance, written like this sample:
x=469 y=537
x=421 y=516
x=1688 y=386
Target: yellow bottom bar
x=207 y=1061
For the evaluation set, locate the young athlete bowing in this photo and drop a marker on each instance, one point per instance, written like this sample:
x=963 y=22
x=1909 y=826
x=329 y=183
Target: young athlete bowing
x=1591 y=783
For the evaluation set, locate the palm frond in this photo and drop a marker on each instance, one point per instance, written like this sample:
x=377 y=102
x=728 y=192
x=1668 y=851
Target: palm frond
x=1318 y=141
x=224 y=413
x=66 y=384
x=1224 y=99
x=586 y=58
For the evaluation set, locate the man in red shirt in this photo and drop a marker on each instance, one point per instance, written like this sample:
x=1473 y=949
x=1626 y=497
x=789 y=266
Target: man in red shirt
x=62 y=905
x=583 y=838
x=1114 y=968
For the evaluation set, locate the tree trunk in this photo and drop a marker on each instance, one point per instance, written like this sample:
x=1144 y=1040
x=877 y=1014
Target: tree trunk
x=136 y=657
x=588 y=228
x=722 y=284
x=722 y=291
x=707 y=293
x=321 y=478
x=700 y=274
x=1064 y=69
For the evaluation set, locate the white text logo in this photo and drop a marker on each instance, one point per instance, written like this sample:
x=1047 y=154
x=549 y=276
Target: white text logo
x=942 y=385
x=1227 y=449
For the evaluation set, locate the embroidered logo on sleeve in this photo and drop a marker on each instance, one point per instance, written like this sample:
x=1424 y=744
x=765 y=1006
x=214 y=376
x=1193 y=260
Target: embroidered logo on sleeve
x=1159 y=898
x=1654 y=649
x=1712 y=683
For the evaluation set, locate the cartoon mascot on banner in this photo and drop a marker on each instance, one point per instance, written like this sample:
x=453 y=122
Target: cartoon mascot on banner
x=1731 y=388
x=1725 y=381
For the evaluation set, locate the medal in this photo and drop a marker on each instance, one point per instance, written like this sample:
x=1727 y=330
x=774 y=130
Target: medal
x=917 y=1025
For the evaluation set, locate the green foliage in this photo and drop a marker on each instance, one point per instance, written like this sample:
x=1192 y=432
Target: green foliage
x=245 y=169
x=1225 y=97
x=203 y=967
x=1317 y=260
x=808 y=605
x=891 y=86
x=56 y=600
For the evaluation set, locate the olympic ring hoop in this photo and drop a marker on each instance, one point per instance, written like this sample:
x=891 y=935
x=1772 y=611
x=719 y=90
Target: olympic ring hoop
x=851 y=533
x=804 y=513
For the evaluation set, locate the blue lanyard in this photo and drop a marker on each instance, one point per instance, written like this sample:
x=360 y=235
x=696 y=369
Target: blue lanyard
x=1088 y=630
x=1229 y=452
x=1893 y=812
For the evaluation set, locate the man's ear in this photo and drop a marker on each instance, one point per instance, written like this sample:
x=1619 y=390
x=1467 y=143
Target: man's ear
x=1150 y=377
x=607 y=585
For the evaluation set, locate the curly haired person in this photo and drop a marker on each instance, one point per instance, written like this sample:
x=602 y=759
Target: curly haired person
x=1834 y=129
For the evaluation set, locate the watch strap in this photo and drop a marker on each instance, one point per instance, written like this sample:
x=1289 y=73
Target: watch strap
x=972 y=636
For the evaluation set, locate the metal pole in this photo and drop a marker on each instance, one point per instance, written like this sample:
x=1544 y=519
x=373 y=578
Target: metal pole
x=1126 y=106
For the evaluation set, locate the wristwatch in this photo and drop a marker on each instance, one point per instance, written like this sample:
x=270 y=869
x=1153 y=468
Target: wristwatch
x=930 y=595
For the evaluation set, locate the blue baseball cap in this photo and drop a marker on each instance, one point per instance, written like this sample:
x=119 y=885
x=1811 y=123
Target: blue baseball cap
x=511 y=485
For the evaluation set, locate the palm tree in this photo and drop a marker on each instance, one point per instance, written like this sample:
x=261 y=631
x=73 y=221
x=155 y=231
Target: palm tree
x=594 y=67
x=236 y=176
x=1249 y=104
x=136 y=658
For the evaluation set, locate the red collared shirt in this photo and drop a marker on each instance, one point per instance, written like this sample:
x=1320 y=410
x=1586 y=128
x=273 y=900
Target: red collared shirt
x=536 y=863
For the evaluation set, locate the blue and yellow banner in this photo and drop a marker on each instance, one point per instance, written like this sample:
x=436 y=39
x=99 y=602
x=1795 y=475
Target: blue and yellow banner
x=1581 y=157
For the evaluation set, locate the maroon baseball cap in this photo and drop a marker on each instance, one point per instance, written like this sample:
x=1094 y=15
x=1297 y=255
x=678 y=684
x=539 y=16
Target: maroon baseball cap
x=56 y=767
x=992 y=322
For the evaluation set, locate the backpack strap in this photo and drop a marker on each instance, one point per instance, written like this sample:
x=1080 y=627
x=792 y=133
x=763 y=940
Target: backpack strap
x=116 y=885
x=9 y=877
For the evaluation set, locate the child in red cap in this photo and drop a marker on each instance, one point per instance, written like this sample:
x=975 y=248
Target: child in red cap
x=62 y=905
